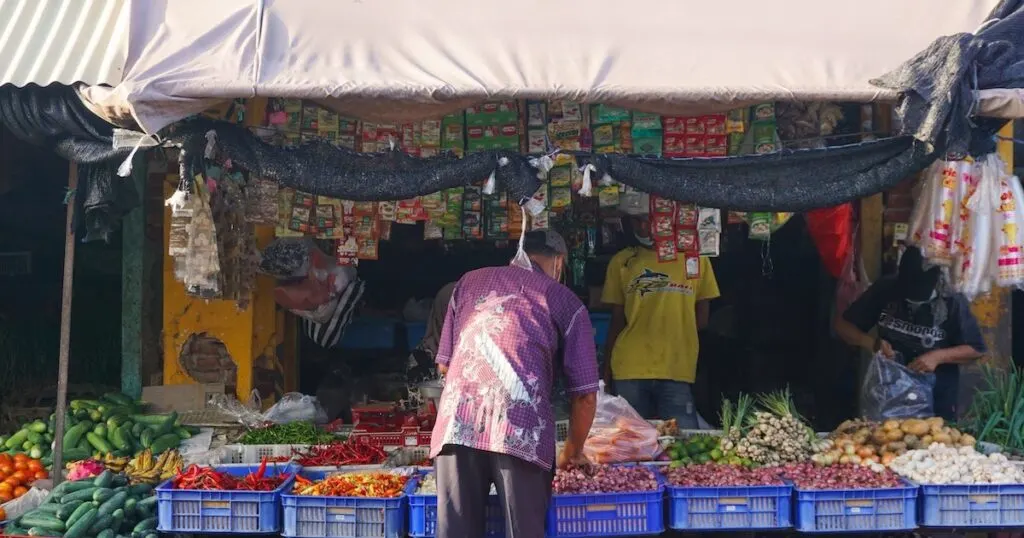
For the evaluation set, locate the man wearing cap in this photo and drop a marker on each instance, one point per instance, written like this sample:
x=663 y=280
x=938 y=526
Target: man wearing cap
x=652 y=343
x=508 y=331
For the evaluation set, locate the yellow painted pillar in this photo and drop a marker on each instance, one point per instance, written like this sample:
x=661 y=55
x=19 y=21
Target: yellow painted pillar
x=994 y=310
x=251 y=336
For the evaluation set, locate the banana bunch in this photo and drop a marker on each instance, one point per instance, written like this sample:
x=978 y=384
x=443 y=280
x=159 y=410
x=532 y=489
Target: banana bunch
x=144 y=469
x=115 y=464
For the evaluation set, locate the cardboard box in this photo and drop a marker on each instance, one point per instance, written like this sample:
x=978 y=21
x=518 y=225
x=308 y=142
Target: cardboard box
x=191 y=397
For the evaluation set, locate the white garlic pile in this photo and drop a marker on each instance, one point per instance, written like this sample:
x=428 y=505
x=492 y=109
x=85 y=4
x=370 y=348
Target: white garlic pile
x=942 y=464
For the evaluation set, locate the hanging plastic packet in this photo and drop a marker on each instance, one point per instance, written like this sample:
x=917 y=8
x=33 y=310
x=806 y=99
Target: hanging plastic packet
x=1011 y=257
x=760 y=226
x=692 y=267
x=938 y=246
x=663 y=220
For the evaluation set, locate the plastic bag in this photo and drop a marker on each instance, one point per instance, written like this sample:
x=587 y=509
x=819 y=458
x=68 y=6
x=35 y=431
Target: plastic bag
x=26 y=503
x=619 y=434
x=891 y=390
x=294 y=407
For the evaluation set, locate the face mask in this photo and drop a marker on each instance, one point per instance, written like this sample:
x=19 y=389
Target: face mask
x=645 y=241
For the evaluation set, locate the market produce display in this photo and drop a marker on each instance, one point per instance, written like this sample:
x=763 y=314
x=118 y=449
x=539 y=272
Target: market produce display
x=340 y=454
x=604 y=479
x=871 y=443
x=718 y=475
x=207 y=478
x=770 y=433
x=294 y=433
x=95 y=428
x=996 y=414
x=842 y=476
x=941 y=464
x=17 y=474
x=379 y=485
x=144 y=469
x=701 y=449
x=101 y=507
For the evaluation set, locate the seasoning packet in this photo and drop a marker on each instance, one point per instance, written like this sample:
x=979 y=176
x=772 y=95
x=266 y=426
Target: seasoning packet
x=687 y=216
x=536 y=114
x=432 y=231
x=608 y=196
x=674 y=125
x=687 y=242
x=665 y=249
x=662 y=226
x=692 y=267
x=695 y=126
x=561 y=197
x=710 y=243
x=737 y=217
x=472 y=225
x=714 y=124
x=388 y=211
x=560 y=176
x=541 y=221
x=472 y=198
x=736 y=121
x=662 y=206
x=710 y=219
x=760 y=226
x=368 y=249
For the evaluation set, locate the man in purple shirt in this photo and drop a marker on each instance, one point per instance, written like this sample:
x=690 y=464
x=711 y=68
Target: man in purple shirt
x=507 y=332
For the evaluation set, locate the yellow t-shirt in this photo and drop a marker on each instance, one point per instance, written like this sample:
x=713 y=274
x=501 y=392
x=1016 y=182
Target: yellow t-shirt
x=660 y=337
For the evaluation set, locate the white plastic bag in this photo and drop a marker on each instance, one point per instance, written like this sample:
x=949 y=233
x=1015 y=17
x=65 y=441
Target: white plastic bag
x=294 y=407
x=619 y=434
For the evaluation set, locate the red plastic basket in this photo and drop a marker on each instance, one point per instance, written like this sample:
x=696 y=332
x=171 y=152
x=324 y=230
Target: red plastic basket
x=408 y=436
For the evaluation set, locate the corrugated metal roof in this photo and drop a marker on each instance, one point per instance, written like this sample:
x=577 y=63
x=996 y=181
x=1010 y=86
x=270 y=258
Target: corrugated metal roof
x=63 y=41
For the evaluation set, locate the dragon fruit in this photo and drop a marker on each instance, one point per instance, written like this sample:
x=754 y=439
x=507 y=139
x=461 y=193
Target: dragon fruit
x=84 y=469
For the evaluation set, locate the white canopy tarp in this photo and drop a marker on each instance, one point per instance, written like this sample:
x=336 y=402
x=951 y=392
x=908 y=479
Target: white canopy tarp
x=411 y=59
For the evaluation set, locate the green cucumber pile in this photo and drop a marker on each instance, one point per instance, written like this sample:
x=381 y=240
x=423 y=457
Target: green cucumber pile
x=101 y=507
x=112 y=425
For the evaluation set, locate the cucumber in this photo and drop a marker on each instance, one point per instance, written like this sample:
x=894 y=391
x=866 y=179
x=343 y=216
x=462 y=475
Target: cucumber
x=99 y=443
x=118 y=520
x=146 y=439
x=167 y=425
x=113 y=503
x=119 y=399
x=76 y=454
x=105 y=533
x=43 y=521
x=118 y=438
x=164 y=443
x=37 y=427
x=120 y=480
x=79 y=527
x=140 y=490
x=102 y=495
x=116 y=421
x=137 y=429
x=39 y=531
x=182 y=433
x=151 y=420
x=104 y=479
x=96 y=415
x=129 y=506
x=102 y=522
x=146 y=506
x=49 y=509
x=147 y=524
x=100 y=429
x=80 y=495
x=17 y=439
x=74 y=435
x=151 y=535
x=66 y=510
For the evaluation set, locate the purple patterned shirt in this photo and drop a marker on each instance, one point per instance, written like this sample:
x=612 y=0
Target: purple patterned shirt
x=504 y=331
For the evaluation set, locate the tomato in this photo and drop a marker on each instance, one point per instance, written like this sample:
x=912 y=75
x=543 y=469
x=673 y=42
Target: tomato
x=19 y=457
x=19 y=491
x=12 y=482
x=20 y=466
x=20 y=476
x=5 y=458
x=41 y=474
x=6 y=469
x=3 y=515
x=5 y=496
x=4 y=486
x=35 y=465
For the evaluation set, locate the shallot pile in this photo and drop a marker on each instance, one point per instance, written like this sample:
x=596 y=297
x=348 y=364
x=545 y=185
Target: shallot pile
x=842 y=476
x=715 y=475
x=942 y=464
x=604 y=479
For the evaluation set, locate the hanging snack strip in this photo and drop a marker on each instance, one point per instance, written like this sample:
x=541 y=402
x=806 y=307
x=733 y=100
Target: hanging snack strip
x=663 y=217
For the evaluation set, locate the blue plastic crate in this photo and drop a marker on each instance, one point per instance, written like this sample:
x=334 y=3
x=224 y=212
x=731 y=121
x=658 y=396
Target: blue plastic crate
x=600 y=322
x=857 y=510
x=423 y=517
x=223 y=512
x=414 y=333
x=980 y=506
x=730 y=508
x=371 y=333
x=607 y=514
x=308 y=516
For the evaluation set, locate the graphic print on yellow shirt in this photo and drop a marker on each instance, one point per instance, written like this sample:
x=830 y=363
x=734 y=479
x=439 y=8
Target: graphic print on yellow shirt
x=660 y=337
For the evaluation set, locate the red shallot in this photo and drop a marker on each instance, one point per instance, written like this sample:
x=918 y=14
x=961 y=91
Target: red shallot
x=716 y=475
x=604 y=479
x=842 y=476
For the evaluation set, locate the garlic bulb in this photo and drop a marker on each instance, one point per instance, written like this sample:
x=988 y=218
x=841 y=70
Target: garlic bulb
x=942 y=464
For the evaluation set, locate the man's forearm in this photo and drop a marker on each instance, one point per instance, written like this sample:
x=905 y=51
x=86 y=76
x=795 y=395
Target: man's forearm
x=581 y=416
x=958 y=355
x=853 y=336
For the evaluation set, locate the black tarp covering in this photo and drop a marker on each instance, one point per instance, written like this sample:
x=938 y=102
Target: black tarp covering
x=937 y=85
x=792 y=180
x=320 y=168
x=54 y=117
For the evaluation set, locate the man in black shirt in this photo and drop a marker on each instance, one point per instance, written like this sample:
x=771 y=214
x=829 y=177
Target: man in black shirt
x=932 y=333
